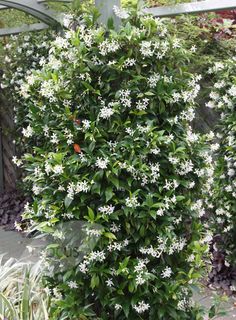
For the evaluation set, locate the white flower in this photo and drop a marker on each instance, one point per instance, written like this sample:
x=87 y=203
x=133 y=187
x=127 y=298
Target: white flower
x=141 y=307
x=82 y=186
x=210 y=104
x=72 y=285
x=130 y=131
x=17 y=226
x=97 y=256
x=46 y=130
x=193 y=49
x=185 y=167
x=109 y=283
x=93 y=232
x=153 y=80
x=36 y=190
x=231 y=172
x=139 y=279
x=107 y=210
x=118 y=307
x=125 y=98
x=59 y=234
x=183 y=305
x=106 y=112
x=108 y=46
x=132 y=202
x=86 y=124
x=27 y=132
x=166 y=273
x=58 y=169
x=16 y=161
x=191 y=137
x=54 y=139
x=176 y=43
x=67 y=19
x=215 y=147
x=142 y=104
x=129 y=63
x=120 y=13
x=83 y=267
x=160 y=212
x=232 y=91
x=115 y=228
x=61 y=42
x=102 y=163
x=146 y=49
x=47 y=88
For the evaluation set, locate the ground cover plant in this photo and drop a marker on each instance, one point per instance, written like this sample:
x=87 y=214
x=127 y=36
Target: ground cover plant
x=21 y=293
x=109 y=120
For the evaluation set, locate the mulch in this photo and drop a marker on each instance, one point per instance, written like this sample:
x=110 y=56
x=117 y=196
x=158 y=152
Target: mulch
x=222 y=275
x=11 y=208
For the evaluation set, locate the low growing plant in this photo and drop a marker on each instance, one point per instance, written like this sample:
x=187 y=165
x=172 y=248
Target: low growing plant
x=21 y=294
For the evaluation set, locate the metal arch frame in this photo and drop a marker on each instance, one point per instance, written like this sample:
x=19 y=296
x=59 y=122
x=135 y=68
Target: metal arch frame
x=35 y=8
x=192 y=7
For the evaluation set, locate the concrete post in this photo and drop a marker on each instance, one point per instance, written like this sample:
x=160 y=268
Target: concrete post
x=106 y=9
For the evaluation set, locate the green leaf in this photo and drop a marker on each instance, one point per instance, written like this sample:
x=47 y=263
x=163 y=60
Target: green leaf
x=8 y=304
x=95 y=281
x=96 y=188
x=53 y=246
x=67 y=202
x=131 y=286
x=25 y=311
x=110 y=235
x=142 y=231
x=126 y=308
x=109 y=193
x=91 y=214
x=180 y=198
x=153 y=214
x=149 y=94
x=114 y=181
x=87 y=86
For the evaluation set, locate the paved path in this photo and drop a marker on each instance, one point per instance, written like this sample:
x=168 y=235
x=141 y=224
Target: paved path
x=206 y=300
x=14 y=245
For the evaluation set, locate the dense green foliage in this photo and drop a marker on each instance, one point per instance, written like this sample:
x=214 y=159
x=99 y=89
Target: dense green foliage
x=117 y=175
x=109 y=125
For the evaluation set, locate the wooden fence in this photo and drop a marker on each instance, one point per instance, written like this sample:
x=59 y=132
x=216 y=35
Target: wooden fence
x=8 y=174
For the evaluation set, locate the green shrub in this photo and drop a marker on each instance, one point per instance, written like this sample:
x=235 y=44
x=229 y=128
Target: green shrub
x=223 y=99
x=108 y=122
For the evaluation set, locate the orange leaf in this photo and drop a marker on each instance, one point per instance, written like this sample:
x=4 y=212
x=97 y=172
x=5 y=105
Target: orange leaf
x=77 y=148
x=78 y=121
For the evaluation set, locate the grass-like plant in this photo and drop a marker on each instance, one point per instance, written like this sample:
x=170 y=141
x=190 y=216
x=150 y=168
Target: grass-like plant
x=21 y=294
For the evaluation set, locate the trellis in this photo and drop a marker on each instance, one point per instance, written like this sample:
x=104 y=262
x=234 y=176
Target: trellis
x=49 y=18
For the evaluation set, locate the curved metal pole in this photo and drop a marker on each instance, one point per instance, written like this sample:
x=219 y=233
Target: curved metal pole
x=24 y=28
x=193 y=7
x=33 y=8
